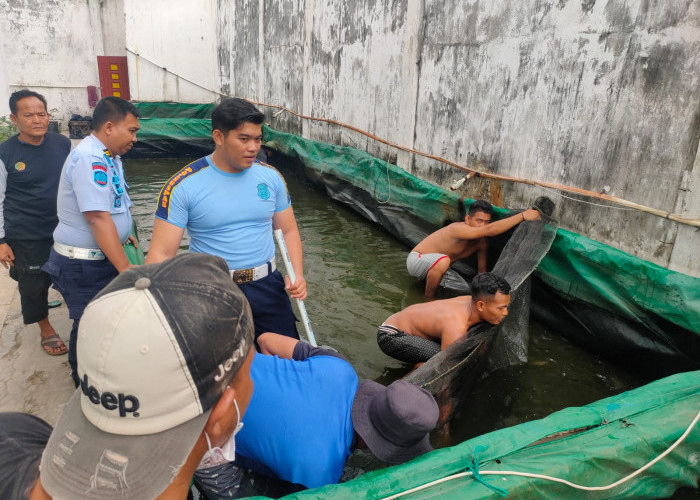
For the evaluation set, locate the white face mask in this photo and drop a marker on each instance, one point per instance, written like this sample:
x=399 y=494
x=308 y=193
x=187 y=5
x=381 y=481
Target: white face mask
x=218 y=456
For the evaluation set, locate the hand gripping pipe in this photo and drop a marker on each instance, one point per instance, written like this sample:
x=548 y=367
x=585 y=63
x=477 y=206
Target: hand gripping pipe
x=292 y=278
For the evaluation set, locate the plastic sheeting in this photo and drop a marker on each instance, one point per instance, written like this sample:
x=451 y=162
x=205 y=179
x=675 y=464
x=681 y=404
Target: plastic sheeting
x=631 y=310
x=593 y=445
x=594 y=294
x=173 y=130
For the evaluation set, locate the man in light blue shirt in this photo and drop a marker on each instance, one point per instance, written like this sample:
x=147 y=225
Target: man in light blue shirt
x=229 y=202
x=93 y=213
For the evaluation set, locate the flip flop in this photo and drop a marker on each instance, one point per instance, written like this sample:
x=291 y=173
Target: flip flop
x=54 y=303
x=53 y=342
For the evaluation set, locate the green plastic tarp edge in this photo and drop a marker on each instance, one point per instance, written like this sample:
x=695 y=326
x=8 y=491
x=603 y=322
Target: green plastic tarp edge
x=174 y=110
x=616 y=436
x=576 y=266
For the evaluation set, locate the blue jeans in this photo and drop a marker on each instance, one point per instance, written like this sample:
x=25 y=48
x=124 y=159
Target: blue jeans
x=78 y=281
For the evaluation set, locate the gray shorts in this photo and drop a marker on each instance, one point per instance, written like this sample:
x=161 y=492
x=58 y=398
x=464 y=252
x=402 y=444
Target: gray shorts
x=418 y=264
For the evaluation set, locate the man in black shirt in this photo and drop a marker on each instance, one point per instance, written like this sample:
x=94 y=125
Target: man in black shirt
x=30 y=169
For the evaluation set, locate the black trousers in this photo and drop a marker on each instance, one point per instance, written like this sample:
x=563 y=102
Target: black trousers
x=33 y=283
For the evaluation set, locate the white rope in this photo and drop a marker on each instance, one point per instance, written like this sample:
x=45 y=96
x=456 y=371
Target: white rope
x=554 y=479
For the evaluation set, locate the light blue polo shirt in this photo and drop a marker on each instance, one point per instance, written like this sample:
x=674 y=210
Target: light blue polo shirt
x=225 y=214
x=91 y=180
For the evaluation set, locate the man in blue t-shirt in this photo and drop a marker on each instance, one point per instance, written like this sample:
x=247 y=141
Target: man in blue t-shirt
x=30 y=168
x=229 y=203
x=308 y=413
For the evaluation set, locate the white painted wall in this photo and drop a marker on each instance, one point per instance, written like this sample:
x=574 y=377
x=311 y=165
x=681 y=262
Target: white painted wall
x=4 y=82
x=52 y=47
x=178 y=35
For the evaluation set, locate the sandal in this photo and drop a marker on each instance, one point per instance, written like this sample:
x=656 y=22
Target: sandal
x=53 y=345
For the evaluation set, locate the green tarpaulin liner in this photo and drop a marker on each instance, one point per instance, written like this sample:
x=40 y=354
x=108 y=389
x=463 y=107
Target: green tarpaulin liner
x=631 y=310
x=171 y=130
x=593 y=445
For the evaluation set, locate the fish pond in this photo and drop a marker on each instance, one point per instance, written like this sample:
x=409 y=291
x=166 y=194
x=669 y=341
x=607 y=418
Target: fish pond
x=357 y=278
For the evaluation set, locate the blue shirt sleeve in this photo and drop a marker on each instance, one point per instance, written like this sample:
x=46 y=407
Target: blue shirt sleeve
x=283 y=200
x=177 y=212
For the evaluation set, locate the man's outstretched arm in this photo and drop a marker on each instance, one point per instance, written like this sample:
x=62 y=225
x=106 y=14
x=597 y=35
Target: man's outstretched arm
x=275 y=344
x=467 y=232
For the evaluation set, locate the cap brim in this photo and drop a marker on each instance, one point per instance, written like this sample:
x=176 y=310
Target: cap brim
x=82 y=461
x=382 y=448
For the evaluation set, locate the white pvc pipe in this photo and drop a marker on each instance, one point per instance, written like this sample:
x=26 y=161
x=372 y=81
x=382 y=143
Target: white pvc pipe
x=292 y=278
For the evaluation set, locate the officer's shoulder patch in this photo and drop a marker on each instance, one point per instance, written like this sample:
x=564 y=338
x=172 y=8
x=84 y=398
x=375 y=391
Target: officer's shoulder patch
x=99 y=173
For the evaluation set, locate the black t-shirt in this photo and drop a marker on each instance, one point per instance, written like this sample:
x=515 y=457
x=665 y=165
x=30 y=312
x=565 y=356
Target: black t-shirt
x=23 y=438
x=31 y=176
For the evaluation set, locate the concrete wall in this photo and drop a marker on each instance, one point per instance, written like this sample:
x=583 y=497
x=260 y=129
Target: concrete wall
x=600 y=95
x=596 y=94
x=177 y=35
x=52 y=47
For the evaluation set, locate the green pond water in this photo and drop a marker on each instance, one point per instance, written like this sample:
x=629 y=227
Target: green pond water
x=357 y=278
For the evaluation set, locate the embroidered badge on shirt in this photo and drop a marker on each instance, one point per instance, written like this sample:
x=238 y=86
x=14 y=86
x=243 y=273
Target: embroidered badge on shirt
x=20 y=165
x=263 y=191
x=99 y=174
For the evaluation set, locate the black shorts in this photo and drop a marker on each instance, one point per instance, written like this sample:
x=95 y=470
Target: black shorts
x=33 y=283
x=269 y=302
x=404 y=347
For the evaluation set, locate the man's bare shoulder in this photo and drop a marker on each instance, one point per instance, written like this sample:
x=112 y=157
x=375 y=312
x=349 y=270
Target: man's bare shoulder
x=444 y=239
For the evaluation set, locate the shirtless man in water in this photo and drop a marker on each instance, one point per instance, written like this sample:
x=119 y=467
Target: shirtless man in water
x=420 y=331
x=433 y=256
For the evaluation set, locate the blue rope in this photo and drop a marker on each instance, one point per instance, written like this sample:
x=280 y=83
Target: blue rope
x=474 y=468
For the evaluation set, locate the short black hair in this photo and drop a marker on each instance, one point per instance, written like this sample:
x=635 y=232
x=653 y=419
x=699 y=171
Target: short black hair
x=480 y=206
x=21 y=94
x=231 y=113
x=112 y=109
x=488 y=284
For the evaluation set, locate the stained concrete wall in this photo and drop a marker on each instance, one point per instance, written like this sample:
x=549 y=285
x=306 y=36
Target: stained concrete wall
x=51 y=46
x=596 y=94
x=599 y=95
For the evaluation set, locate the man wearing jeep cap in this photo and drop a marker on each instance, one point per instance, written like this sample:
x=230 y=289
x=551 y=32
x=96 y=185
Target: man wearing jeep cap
x=157 y=398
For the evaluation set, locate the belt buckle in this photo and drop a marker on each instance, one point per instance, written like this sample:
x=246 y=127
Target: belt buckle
x=242 y=276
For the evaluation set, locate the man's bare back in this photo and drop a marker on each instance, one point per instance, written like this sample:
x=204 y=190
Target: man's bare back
x=441 y=320
x=453 y=241
x=411 y=335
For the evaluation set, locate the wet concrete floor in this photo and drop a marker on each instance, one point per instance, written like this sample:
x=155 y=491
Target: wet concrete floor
x=31 y=381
